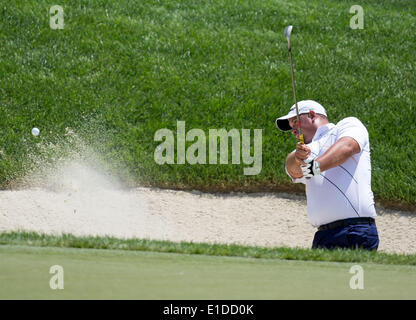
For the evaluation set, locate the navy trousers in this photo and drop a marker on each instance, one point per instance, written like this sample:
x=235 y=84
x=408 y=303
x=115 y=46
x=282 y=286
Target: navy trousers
x=363 y=236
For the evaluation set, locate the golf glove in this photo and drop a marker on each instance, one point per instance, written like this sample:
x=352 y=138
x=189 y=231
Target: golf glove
x=311 y=169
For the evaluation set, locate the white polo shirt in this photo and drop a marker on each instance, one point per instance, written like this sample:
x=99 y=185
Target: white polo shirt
x=344 y=191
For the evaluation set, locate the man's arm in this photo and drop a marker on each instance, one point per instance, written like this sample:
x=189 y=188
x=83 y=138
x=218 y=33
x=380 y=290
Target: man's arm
x=338 y=153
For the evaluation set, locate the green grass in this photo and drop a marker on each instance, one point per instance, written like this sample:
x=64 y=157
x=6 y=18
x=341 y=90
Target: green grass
x=117 y=274
x=119 y=71
x=70 y=241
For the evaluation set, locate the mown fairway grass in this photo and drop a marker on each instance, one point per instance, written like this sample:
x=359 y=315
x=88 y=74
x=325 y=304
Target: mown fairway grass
x=121 y=70
x=117 y=274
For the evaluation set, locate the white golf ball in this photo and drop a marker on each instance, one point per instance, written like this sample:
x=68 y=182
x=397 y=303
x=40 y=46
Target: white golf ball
x=35 y=131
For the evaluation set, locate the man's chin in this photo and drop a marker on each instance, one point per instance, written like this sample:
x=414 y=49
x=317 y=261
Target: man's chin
x=307 y=140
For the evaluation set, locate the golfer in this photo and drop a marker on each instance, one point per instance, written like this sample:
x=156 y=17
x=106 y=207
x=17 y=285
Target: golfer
x=334 y=164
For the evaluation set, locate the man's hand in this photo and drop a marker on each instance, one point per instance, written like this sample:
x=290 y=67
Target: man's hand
x=295 y=160
x=302 y=152
x=311 y=169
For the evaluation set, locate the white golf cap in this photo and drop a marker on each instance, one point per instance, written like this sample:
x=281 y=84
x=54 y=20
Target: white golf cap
x=304 y=106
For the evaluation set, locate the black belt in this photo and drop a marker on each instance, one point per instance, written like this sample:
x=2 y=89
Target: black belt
x=346 y=222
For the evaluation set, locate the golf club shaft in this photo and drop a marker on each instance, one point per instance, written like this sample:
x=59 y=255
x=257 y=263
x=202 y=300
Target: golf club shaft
x=294 y=93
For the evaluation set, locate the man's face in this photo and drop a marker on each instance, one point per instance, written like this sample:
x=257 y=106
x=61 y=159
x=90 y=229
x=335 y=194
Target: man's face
x=306 y=124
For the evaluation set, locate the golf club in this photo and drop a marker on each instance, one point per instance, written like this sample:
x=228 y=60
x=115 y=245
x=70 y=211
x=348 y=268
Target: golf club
x=288 y=31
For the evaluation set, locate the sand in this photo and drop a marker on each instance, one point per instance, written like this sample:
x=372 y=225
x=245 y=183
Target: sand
x=81 y=201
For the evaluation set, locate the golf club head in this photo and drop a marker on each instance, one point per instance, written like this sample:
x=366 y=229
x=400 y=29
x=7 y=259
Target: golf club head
x=288 y=31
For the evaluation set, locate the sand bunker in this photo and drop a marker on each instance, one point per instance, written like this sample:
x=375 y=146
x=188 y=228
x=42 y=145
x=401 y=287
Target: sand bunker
x=82 y=201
